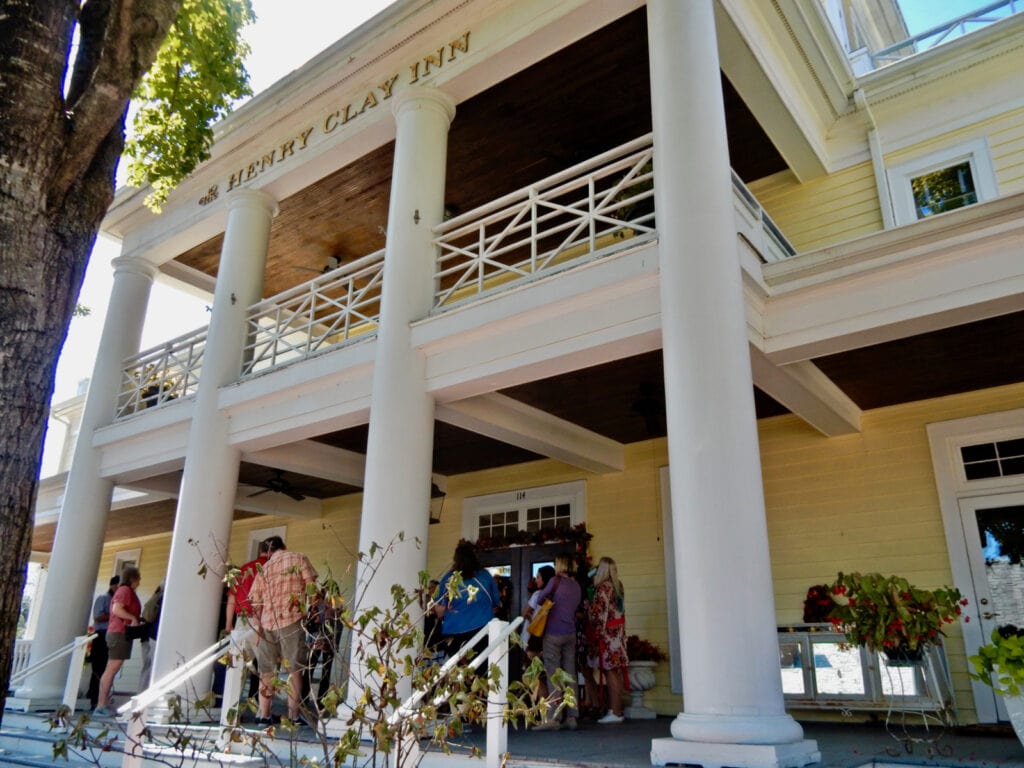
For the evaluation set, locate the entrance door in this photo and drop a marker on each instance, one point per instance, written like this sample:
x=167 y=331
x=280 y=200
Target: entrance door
x=513 y=568
x=994 y=532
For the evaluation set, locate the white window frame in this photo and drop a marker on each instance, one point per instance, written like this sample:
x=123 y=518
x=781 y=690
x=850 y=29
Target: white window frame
x=574 y=494
x=945 y=440
x=975 y=152
x=258 y=535
x=125 y=556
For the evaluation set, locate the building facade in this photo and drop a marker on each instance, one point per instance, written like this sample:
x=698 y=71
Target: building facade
x=686 y=273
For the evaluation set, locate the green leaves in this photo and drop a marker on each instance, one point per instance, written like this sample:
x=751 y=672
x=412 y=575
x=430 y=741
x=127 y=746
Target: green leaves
x=1001 y=663
x=197 y=76
x=887 y=612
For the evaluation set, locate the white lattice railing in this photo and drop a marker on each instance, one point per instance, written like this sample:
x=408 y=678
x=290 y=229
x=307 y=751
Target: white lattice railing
x=320 y=314
x=562 y=220
x=159 y=375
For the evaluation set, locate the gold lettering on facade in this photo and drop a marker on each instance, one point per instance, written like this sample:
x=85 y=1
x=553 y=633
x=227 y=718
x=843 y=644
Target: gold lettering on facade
x=462 y=44
x=369 y=102
x=387 y=85
x=384 y=90
x=211 y=194
x=433 y=61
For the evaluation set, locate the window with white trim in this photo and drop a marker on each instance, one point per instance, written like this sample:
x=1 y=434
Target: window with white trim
x=500 y=515
x=942 y=181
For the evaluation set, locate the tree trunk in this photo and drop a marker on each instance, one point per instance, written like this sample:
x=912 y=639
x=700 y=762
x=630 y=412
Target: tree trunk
x=58 y=151
x=42 y=262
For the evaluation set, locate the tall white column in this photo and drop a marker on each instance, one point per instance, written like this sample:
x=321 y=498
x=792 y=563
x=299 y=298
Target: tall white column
x=78 y=543
x=400 y=446
x=732 y=693
x=206 y=503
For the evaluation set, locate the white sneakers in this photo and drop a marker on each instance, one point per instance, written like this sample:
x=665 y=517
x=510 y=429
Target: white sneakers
x=611 y=717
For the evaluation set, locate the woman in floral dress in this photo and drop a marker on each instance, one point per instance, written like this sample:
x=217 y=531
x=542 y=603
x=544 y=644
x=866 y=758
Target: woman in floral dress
x=608 y=627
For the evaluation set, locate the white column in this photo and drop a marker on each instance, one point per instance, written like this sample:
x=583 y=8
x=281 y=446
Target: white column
x=206 y=503
x=400 y=445
x=732 y=693
x=78 y=543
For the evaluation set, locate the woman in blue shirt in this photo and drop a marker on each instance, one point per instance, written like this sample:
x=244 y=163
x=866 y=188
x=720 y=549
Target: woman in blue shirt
x=469 y=606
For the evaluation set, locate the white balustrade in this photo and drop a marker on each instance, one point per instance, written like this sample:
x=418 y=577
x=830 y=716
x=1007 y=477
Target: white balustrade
x=592 y=210
x=162 y=374
x=329 y=310
x=562 y=220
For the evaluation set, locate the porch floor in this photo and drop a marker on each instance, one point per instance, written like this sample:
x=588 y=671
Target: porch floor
x=841 y=745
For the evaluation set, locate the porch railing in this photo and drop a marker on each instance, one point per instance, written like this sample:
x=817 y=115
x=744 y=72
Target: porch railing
x=948 y=30
x=22 y=653
x=318 y=315
x=162 y=374
x=76 y=650
x=497 y=633
x=592 y=210
x=603 y=202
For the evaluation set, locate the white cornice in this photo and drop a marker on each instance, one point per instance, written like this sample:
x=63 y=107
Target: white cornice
x=996 y=218
x=1004 y=38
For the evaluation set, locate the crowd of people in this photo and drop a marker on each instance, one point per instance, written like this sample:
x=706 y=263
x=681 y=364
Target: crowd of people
x=584 y=633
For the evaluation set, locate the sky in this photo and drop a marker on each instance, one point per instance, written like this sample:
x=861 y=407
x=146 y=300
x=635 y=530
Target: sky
x=287 y=33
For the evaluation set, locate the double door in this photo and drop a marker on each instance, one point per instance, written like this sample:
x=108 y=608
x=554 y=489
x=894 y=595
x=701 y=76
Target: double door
x=514 y=568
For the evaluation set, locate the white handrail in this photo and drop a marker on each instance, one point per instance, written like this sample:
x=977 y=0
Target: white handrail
x=497 y=729
x=66 y=650
x=174 y=678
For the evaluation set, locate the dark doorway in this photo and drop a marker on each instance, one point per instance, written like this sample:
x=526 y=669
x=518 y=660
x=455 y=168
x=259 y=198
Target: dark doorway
x=513 y=568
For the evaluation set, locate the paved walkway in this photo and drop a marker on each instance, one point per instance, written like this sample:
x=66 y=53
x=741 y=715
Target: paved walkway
x=842 y=745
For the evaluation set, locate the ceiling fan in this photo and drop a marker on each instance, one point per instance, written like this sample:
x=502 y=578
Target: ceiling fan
x=330 y=264
x=278 y=484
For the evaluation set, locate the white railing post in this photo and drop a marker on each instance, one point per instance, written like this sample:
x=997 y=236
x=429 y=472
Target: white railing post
x=497 y=728
x=234 y=676
x=133 y=750
x=75 y=673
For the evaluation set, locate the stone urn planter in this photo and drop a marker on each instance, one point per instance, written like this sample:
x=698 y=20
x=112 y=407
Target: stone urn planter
x=641 y=680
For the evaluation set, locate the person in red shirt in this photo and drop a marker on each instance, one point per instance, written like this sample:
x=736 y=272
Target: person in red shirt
x=125 y=608
x=238 y=595
x=238 y=611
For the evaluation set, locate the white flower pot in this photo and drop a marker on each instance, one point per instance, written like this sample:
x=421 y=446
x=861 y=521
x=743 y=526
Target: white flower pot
x=641 y=680
x=1015 y=709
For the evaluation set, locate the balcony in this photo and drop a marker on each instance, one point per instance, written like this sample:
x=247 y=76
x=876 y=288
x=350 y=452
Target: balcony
x=591 y=211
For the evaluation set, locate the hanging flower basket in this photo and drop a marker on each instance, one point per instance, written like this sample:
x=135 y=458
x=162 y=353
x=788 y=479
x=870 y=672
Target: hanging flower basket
x=886 y=614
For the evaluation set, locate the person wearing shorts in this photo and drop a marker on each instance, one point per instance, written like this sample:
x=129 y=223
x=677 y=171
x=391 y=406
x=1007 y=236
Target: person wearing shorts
x=278 y=602
x=124 y=612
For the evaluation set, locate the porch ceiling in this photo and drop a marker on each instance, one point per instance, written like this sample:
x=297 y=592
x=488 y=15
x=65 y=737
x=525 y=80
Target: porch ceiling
x=579 y=102
x=125 y=523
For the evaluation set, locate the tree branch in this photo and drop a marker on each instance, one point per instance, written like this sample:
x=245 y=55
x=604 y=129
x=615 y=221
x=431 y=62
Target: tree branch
x=119 y=42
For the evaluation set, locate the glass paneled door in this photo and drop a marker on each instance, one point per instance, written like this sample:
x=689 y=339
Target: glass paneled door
x=994 y=532
x=513 y=568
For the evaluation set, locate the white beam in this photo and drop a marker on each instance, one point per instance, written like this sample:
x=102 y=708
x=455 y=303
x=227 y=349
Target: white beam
x=308 y=457
x=524 y=426
x=808 y=393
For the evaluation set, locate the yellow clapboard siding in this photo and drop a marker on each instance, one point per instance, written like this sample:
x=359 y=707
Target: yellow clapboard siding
x=836 y=207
